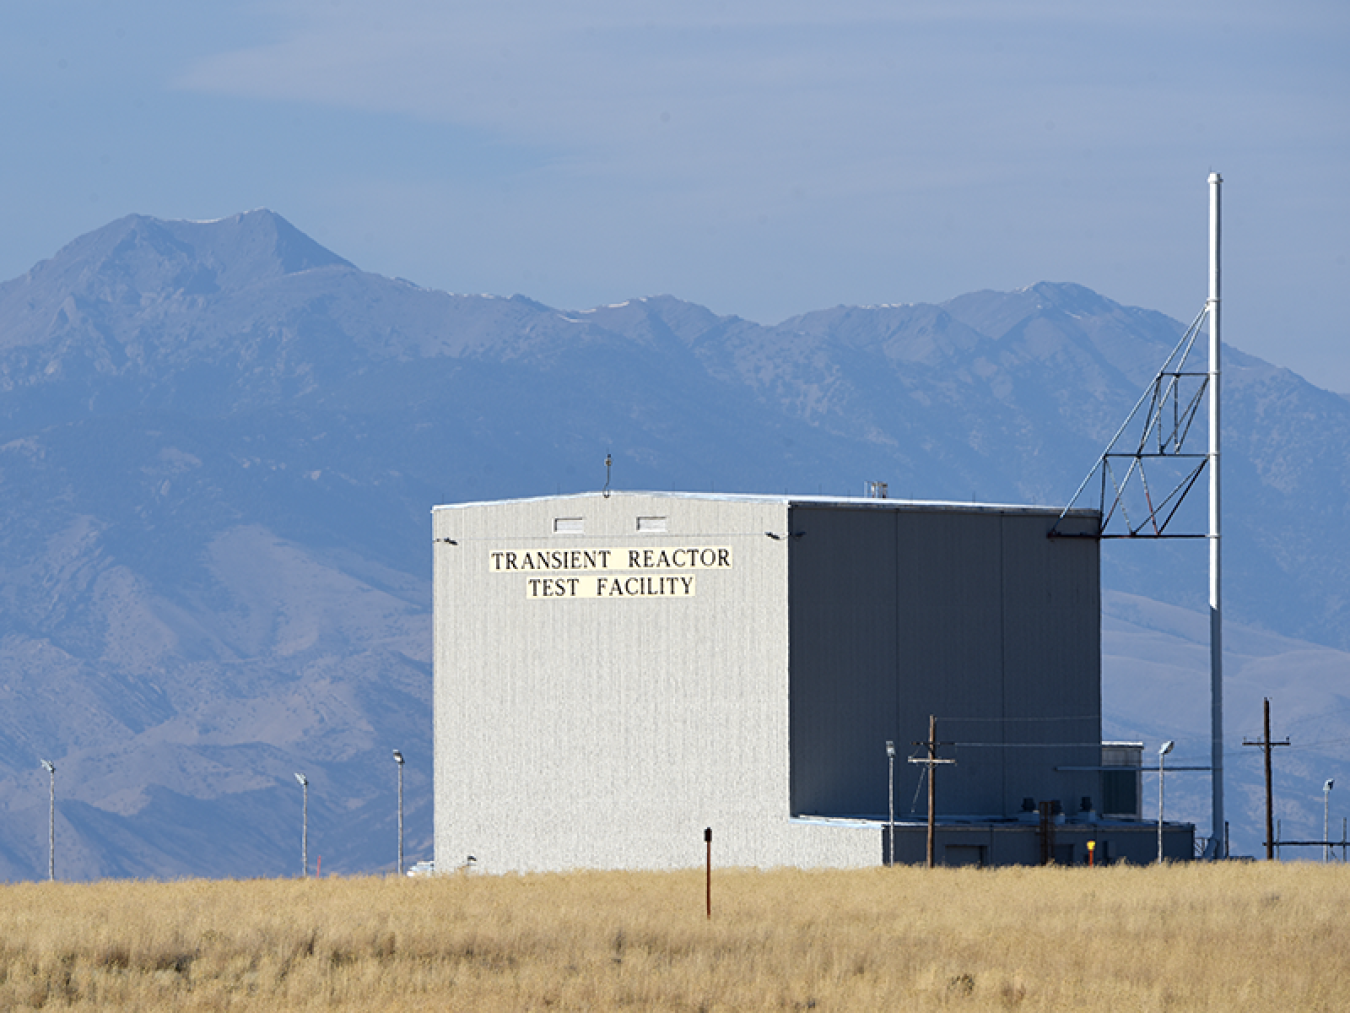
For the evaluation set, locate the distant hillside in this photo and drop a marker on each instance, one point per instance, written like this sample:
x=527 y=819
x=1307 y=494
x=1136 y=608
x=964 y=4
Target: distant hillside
x=219 y=443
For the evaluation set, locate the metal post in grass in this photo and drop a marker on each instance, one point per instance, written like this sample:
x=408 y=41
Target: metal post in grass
x=304 y=827
x=50 y=768
x=1163 y=750
x=707 y=840
x=890 y=795
x=398 y=758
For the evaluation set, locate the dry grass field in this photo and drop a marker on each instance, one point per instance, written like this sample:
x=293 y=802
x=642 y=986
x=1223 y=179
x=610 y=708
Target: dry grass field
x=1244 y=937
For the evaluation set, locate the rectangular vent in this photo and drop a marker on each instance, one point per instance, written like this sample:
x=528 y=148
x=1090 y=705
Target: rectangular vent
x=652 y=524
x=568 y=526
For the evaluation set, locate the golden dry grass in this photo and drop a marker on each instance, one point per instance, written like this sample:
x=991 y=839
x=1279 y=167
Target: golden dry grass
x=1186 y=937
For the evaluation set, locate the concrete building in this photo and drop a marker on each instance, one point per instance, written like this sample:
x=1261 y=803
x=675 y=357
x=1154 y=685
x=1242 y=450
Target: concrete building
x=614 y=673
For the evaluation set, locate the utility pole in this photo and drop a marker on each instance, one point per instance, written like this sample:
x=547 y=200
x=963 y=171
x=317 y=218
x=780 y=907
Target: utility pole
x=1266 y=745
x=931 y=761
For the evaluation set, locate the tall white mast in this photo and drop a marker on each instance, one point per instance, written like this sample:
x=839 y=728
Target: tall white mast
x=1217 y=842
x=1156 y=430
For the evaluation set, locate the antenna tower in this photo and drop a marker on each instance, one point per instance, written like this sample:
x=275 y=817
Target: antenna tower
x=1153 y=438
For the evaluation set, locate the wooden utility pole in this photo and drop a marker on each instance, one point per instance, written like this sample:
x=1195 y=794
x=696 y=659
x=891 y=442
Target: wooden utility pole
x=1266 y=745
x=931 y=761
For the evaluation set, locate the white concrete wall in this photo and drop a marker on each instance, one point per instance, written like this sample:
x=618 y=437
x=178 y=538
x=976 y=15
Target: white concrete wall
x=608 y=732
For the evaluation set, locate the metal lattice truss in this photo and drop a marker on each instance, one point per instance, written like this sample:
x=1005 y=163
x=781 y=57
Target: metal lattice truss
x=1151 y=440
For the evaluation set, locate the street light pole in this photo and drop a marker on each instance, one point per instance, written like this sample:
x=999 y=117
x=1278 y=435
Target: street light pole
x=304 y=827
x=1326 y=820
x=398 y=758
x=890 y=795
x=50 y=768
x=1163 y=750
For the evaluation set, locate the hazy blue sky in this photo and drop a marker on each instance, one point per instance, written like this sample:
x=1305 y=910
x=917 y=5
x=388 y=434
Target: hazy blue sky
x=760 y=158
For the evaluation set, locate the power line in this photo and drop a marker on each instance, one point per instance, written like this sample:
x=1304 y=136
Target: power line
x=1025 y=745
x=1010 y=721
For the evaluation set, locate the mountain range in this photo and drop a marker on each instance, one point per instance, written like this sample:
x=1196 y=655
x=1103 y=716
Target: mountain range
x=219 y=445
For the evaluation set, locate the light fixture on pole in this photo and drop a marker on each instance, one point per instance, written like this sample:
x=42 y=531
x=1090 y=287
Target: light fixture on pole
x=50 y=768
x=304 y=827
x=1163 y=750
x=890 y=795
x=1326 y=820
x=398 y=758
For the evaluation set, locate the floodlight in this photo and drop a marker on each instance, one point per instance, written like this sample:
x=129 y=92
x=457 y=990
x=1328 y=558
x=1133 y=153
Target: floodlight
x=50 y=768
x=890 y=798
x=304 y=827
x=1326 y=820
x=398 y=758
x=1163 y=750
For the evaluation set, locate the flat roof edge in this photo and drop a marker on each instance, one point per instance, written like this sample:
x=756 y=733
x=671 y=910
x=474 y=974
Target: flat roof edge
x=848 y=502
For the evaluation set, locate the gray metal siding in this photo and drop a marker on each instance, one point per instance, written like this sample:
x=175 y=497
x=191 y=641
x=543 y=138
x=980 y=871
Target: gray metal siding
x=973 y=616
x=951 y=630
x=1052 y=664
x=842 y=608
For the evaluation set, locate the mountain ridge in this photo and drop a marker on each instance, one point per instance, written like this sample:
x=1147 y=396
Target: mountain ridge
x=221 y=443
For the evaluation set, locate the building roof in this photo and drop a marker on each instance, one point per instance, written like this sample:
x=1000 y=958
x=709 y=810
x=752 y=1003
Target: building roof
x=846 y=502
